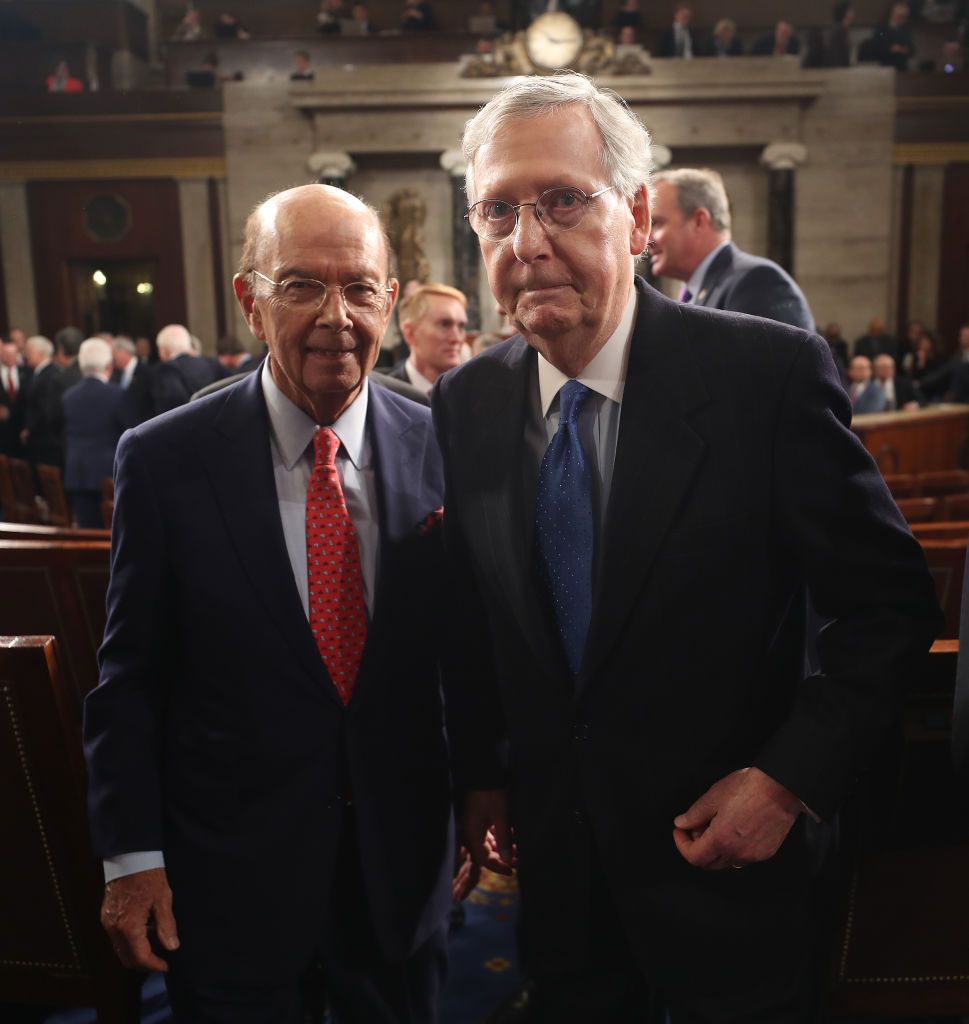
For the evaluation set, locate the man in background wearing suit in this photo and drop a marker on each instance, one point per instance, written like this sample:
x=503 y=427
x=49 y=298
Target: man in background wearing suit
x=14 y=383
x=639 y=493
x=434 y=324
x=43 y=433
x=180 y=371
x=268 y=768
x=133 y=376
x=691 y=243
x=95 y=416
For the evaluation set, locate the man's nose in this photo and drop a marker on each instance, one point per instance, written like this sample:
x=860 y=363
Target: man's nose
x=530 y=240
x=333 y=310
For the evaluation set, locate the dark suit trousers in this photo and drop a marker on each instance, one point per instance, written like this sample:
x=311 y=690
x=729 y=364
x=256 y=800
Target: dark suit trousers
x=86 y=506
x=616 y=989
x=361 y=985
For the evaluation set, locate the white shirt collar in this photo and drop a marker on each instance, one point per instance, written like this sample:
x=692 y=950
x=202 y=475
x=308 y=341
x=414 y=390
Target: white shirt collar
x=605 y=374
x=696 y=278
x=294 y=430
x=417 y=378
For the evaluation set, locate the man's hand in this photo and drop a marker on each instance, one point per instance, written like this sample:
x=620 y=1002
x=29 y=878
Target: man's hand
x=467 y=874
x=130 y=904
x=488 y=831
x=740 y=820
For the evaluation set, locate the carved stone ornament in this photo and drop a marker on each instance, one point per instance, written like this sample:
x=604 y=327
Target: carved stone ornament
x=406 y=213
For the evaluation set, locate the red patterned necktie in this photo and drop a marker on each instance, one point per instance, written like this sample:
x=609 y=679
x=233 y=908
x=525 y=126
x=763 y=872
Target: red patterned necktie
x=338 y=614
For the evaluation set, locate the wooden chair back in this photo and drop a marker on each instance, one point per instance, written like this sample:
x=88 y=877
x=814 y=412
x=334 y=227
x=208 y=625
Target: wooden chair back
x=8 y=496
x=58 y=588
x=902 y=947
x=902 y=485
x=918 y=510
x=946 y=560
x=52 y=490
x=26 y=493
x=33 y=531
x=939 y=483
x=955 y=506
x=52 y=949
x=954 y=530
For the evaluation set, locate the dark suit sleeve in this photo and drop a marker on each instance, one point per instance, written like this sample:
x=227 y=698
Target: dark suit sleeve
x=866 y=573
x=122 y=715
x=167 y=389
x=476 y=729
x=764 y=291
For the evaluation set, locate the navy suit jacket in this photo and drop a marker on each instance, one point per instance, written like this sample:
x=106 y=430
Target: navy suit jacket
x=742 y=283
x=216 y=734
x=737 y=485
x=96 y=414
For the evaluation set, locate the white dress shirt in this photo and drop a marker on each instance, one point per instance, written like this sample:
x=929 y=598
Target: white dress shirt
x=291 y=446
x=417 y=379
x=695 y=284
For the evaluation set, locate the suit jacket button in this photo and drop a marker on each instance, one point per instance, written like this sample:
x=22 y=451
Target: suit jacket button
x=578 y=818
x=580 y=731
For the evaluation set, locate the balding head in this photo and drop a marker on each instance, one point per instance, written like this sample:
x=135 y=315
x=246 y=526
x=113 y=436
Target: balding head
x=95 y=358
x=278 y=213
x=37 y=350
x=173 y=340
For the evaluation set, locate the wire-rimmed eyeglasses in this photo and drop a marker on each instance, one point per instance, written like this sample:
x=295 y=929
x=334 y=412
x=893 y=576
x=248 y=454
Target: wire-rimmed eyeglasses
x=559 y=209
x=305 y=293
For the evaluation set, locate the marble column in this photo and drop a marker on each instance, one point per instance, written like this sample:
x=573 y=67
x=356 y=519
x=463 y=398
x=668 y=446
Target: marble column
x=198 y=261
x=466 y=256
x=782 y=159
x=18 y=264
x=332 y=167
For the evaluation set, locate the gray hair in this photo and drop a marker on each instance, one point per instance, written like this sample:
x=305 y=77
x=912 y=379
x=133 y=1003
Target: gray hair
x=625 y=156
x=123 y=342
x=700 y=189
x=44 y=347
x=94 y=357
x=173 y=340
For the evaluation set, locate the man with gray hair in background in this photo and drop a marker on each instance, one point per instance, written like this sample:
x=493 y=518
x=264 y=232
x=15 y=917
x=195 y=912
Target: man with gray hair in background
x=95 y=417
x=180 y=371
x=43 y=433
x=639 y=493
x=691 y=243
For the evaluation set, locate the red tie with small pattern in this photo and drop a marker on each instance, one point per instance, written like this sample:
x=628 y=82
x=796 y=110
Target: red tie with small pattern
x=338 y=614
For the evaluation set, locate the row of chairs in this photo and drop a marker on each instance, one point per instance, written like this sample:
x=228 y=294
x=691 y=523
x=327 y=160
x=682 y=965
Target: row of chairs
x=23 y=502
x=936 y=484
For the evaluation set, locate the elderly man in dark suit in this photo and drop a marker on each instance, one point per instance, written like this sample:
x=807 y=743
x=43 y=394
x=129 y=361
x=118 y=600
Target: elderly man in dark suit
x=179 y=372
x=639 y=494
x=43 y=432
x=268 y=767
x=691 y=243
x=95 y=416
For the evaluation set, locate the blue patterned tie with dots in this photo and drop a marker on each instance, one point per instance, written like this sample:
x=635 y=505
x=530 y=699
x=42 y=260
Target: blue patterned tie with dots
x=564 y=528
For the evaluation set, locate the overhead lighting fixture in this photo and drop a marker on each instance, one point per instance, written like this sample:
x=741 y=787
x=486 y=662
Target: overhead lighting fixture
x=99 y=279
x=144 y=288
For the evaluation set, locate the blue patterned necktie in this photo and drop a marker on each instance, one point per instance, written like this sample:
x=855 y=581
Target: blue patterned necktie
x=564 y=527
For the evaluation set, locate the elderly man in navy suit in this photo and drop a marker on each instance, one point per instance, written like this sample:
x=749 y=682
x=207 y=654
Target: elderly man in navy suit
x=639 y=494
x=96 y=414
x=269 y=780
x=691 y=243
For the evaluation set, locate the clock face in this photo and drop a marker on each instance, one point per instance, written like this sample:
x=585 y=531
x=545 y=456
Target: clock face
x=553 y=40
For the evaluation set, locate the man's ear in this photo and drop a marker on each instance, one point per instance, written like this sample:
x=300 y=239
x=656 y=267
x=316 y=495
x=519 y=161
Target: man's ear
x=246 y=302
x=642 y=222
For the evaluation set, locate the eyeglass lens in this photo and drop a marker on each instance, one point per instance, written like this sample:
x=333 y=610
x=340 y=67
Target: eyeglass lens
x=559 y=208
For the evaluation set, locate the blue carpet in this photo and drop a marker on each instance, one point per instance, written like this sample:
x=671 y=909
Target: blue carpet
x=483 y=973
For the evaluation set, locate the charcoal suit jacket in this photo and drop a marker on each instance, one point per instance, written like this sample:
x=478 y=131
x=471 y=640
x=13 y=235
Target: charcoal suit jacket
x=742 y=283
x=216 y=735
x=737 y=485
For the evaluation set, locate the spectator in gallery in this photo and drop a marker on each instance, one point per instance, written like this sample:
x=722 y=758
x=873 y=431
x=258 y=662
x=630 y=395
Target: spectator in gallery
x=953 y=57
x=228 y=26
x=725 y=42
x=839 y=347
x=360 y=17
x=329 y=15
x=677 y=40
x=486 y=20
x=900 y=392
x=189 y=28
x=628 y=16
x=865 y=393
x=302 y=70
x=892 y=44
x=627 y=36
x=782 y=42
x=924 y=358
x=877 y=340
x=416 y=16
x=62 y=80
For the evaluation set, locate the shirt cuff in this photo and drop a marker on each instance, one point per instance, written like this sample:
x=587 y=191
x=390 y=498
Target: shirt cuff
x=131 y=863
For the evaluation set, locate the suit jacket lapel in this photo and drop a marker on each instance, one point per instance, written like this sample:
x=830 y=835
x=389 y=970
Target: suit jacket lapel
x=716 y=272
x=657 y=455
x=507 y=473
x=242 y=478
